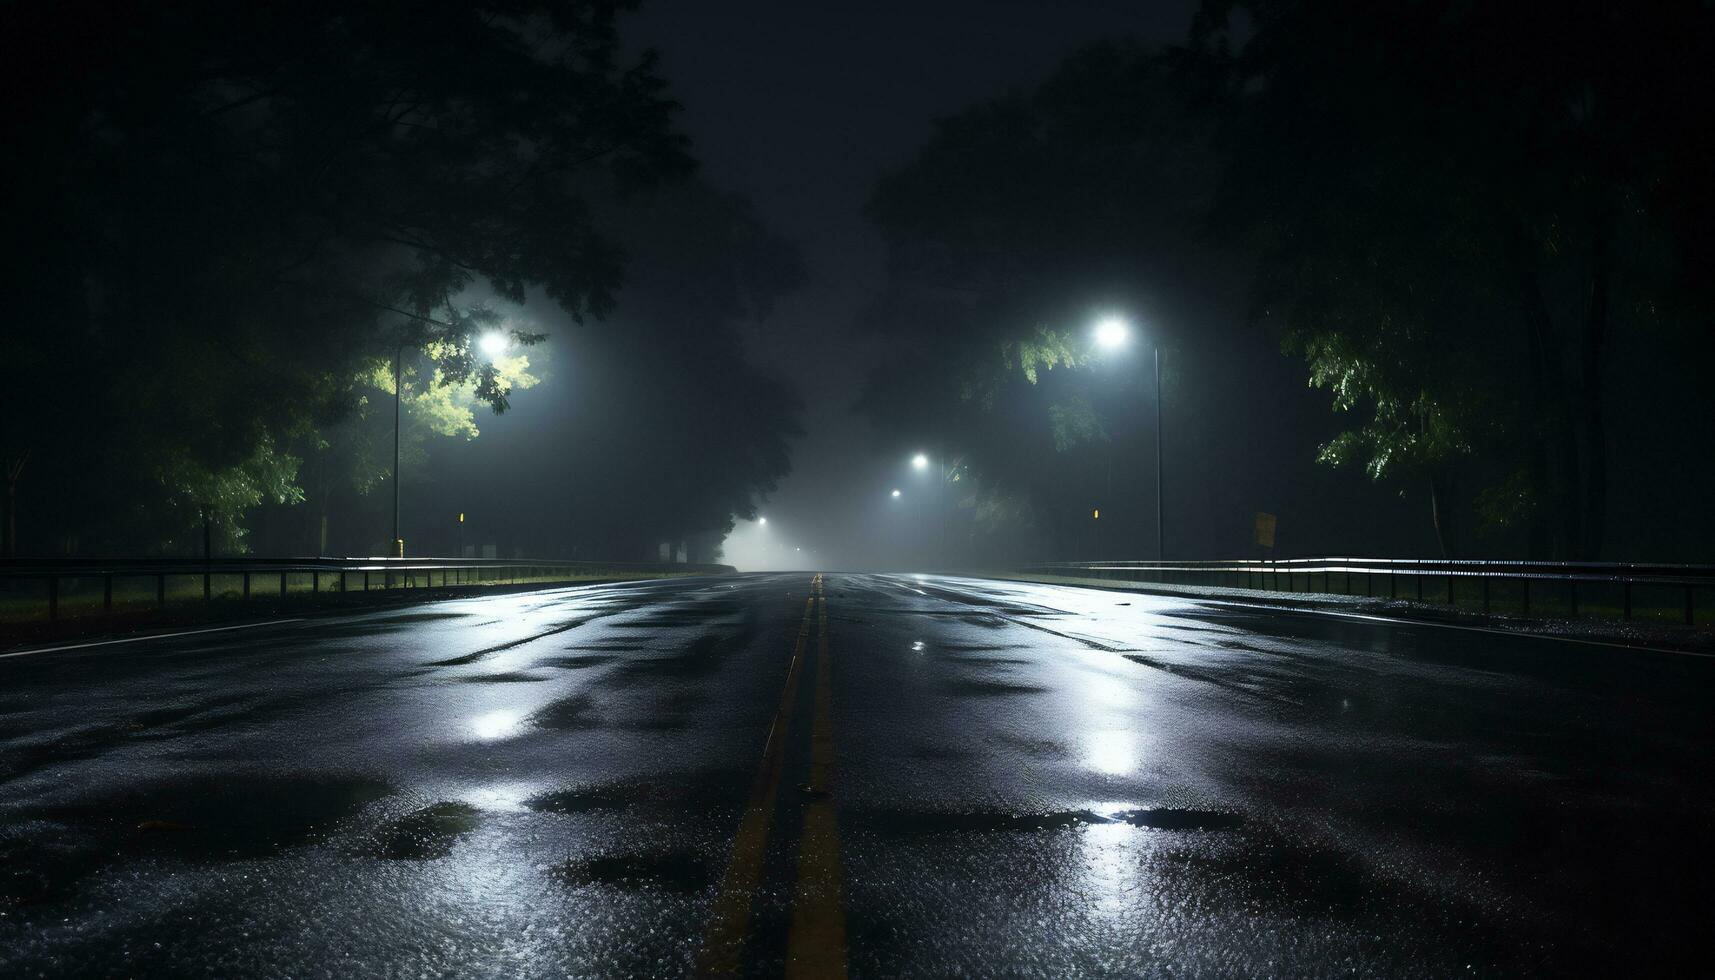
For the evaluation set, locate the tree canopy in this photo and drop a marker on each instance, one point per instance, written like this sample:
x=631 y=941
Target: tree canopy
x=224 y=217
x=1465 y=220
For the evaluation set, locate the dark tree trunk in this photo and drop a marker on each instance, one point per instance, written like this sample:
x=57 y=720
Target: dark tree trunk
x=1553 y=411
x=1441 y=510
x=1593 y=430
x=14 y=470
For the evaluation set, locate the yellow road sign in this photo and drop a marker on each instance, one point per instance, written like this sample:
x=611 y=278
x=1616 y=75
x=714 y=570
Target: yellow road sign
x=1264 y=530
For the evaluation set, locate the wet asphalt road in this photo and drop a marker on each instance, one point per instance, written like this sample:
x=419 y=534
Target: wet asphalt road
x=883 y=774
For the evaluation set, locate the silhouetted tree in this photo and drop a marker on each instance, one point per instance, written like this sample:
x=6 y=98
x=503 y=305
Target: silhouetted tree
x=1017 y=223
x=1454 y=207
x=223 y=214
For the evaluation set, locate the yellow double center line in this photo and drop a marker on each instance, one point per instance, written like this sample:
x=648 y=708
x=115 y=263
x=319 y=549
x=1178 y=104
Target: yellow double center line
x=816 y=945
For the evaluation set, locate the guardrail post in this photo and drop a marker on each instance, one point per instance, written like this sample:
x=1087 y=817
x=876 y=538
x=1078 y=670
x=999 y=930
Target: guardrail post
x=366 y=580
x=107 y=594
x=1626 y=592
x=207 y=585
x=1450 y=581
x=1393 y=585
x=1572 y=601
x=1485 y=595
x=246 y=585
x=161 y=591
x=1420 y=584
x=1526 y=596
x=53 y=597
x=1688 y=607
x=282 y=584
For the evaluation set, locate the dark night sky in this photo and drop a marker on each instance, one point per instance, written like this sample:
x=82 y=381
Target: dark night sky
x=801 y=106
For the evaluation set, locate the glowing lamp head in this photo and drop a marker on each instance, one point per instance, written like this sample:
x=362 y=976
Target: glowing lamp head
x=762 y=521
x=896 y=493
x=920 y=462
x=493 y=344
x=1112 y=332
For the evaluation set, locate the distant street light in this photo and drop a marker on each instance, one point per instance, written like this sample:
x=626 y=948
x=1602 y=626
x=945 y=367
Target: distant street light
x=493 y=344
x=762 y=520
x=1113 y=333
x=896 y=493
x=920 y=463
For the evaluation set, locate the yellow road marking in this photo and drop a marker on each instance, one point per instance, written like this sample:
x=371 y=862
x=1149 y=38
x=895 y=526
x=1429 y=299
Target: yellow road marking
x=817 y=944
x=729 y=919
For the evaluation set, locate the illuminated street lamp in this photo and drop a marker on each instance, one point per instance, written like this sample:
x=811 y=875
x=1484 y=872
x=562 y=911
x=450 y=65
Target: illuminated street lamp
x=493 y=344
x=896 y=493
x=1113 y=333
x=762 y=521
x=920 y=461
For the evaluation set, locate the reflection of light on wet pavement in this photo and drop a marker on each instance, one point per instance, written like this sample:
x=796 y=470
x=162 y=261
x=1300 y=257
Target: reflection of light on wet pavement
x=503 y=796
x=496 y=724
x=1110 y=869
x=1112 y=752
x=917 y=646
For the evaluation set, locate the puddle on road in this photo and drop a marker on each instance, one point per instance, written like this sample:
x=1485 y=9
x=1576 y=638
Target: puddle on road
x=508 y=677
x=422 y=834
x=704 y=790
x=574 y=712
x=972 y=661
x=687 y=615
x=593 y=799
x=677 y=871
x=160 y=724
x=473 y=657
x=905 y=822
x=702 y=657
x=204 y=819
x=931 y=750
x=989 y=689
x=579 y=661
x=426 y=617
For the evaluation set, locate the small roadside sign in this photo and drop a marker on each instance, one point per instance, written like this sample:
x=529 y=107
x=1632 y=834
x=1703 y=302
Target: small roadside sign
x=1264 y=530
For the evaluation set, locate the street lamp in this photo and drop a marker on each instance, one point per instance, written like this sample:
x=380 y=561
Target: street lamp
x=493 y=344
x=1113 y=333
x=762 y=521
x=896 y=493
x=920 y=461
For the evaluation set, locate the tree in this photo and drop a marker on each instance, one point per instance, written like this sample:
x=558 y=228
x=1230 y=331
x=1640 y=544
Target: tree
x=1454 y=206
x=229 y=209
x=1020 y=219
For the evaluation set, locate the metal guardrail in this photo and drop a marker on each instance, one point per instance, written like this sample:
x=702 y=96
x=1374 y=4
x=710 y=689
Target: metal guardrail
x=1547 y=588
x=58 y=578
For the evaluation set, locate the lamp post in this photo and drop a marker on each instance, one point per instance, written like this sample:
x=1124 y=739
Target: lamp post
x=492 y=344
x=1112 y=333
x=943 y=473
x=398 y=548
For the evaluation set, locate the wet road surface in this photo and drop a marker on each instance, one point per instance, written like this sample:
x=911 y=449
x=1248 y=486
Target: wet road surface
x=876 y=774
